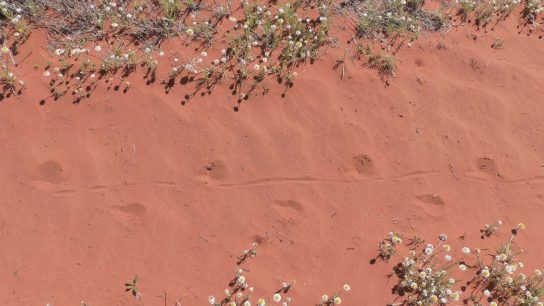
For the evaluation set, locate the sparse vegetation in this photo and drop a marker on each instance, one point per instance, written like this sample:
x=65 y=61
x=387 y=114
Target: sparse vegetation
x=427 y=276
x=239 y=292
x=108 y=41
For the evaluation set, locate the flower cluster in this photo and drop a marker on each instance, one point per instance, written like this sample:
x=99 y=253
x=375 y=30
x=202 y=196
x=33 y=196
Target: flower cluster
x=334 y=299
x=426 y=277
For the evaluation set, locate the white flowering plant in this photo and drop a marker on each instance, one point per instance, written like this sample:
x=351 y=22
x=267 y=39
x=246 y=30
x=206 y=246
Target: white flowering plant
x=425 y=276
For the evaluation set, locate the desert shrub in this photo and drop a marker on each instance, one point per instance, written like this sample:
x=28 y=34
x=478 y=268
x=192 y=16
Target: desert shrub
x=426 y=275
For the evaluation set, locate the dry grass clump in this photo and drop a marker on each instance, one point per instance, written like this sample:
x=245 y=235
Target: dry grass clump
x=392 y=19
x=427 y=275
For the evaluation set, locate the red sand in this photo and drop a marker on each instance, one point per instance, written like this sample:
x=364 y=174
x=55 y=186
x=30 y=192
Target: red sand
x=135 y=183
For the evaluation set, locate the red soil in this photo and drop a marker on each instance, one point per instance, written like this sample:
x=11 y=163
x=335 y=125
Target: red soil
x=136 y=183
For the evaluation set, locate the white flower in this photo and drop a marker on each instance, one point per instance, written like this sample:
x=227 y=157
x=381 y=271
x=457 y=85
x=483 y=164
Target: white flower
x=337 y=300
x=510 y=269
x=447 y=258
x=256 y=67
x=190 y=32
x=346 y=287
x=486 y=273
x=204 y=54
x=465 y=250
x=247 y=303
x=92 y=76
x=324 y=298
x=161 y=53
x=462 y=267
x=97 y=48
x=15 y=20
x=5 y=49
x=114 y=25
x=241 y=279
x=46 y=73
x=276 y=297
x=428 y=250
x=487 y=293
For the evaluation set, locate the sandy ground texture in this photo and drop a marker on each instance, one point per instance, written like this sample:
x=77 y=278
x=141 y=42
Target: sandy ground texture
x=136 y=183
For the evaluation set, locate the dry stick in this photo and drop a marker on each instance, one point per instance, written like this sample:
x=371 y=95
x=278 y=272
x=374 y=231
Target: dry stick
x=12 y=60
x=179 y=300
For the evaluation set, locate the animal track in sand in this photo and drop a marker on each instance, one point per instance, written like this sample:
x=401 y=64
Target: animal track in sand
x=49 y=171
x=488 y=166
x=130 y=215
x=290 y=204
x=431 y=199
x=364 y=164
x=431 y=205
x=288 y=210
x=216 y=169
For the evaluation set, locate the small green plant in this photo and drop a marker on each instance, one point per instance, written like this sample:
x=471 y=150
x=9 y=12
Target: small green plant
x=132 y=287
x=388 y=246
